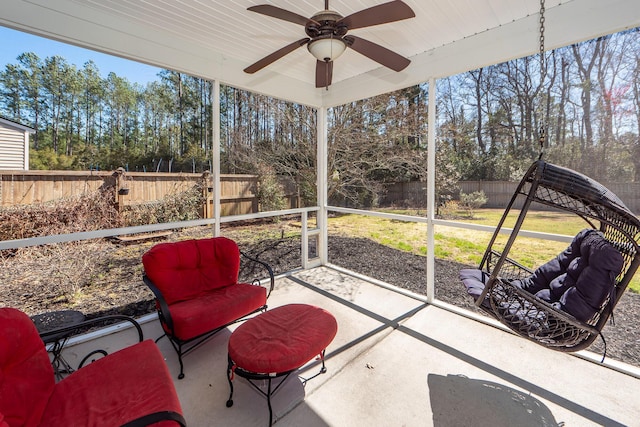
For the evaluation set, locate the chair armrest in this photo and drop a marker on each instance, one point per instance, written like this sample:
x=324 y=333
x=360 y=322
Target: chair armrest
x=511 y=269
x=59 y=336
x=163 y=312
x=68 y=330
x=156 y=418
x=272 y=279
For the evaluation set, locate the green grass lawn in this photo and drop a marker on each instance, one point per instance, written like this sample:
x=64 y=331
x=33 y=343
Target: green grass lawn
x=466 y=246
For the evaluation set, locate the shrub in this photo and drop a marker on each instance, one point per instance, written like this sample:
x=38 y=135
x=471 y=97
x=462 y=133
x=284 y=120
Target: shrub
x=183 y=206
x=472 y=201
x=95 y=211
x=90 y=211
x=271 y=196
x=449 y=210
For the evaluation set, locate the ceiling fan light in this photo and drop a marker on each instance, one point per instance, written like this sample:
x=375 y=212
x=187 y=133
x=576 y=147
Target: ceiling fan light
x=326 y=49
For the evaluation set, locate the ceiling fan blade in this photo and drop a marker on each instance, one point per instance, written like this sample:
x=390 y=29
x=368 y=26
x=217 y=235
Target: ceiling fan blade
x=324 y=73
x=275 y=56
x=381 y=14
x=285 y=15
x=380 y=54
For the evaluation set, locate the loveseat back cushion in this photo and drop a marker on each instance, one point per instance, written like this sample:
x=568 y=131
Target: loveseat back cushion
x=188 y=269
x=115 y=390
x=26 y=374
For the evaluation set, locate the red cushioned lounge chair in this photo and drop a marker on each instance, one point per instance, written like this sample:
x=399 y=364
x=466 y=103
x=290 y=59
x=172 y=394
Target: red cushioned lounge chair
x=197 y=291
x=131 y=387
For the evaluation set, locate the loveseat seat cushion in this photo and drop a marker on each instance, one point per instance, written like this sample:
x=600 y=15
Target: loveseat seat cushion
x=215 y=309
x=188 y=269
x=133 y=382
x=26 y=375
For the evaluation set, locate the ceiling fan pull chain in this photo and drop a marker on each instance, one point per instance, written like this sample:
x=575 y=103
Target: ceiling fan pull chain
x=326 y=79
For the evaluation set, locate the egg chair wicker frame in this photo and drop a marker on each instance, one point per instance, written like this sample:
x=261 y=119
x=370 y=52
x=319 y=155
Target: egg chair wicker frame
x=569 y=191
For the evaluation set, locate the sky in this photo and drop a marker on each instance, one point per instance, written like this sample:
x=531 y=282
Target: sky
x=14 y=43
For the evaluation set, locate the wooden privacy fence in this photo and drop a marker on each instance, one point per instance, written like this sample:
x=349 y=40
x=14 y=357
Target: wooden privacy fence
x=498 y=193
x=237 y=192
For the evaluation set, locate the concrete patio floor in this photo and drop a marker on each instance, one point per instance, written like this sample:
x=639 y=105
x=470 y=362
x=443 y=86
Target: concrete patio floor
x=397 y=361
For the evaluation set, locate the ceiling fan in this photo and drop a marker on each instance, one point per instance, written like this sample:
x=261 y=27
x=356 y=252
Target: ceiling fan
x=327 y=36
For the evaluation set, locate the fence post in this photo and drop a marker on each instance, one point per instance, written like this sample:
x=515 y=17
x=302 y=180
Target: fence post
x=122 y=189
x=207 y=194
x=255 y=203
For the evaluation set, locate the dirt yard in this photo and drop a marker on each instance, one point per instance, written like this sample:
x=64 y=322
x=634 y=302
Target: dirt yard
x=102 y=277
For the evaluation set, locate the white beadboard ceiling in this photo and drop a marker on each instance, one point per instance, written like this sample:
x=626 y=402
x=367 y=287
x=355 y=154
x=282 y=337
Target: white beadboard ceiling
x=217 y=39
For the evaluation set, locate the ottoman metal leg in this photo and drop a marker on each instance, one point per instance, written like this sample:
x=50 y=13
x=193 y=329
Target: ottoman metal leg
x=229 y=378
x=233 y=369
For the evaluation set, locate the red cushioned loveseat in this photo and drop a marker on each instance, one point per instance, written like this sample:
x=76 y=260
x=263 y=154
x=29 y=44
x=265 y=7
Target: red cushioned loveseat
x=131 y=387
x=197 y=291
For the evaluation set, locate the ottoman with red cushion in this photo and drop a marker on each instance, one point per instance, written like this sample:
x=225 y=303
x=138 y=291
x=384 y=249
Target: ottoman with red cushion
x=277 y=343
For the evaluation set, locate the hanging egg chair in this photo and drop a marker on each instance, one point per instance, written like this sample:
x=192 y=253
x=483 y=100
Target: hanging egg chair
x=565 y=303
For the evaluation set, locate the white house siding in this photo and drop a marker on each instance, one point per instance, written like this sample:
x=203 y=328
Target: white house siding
x=14 y=146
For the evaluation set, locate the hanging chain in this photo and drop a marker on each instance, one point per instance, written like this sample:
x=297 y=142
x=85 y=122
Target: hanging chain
x=543 y=74
x=542 y=10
